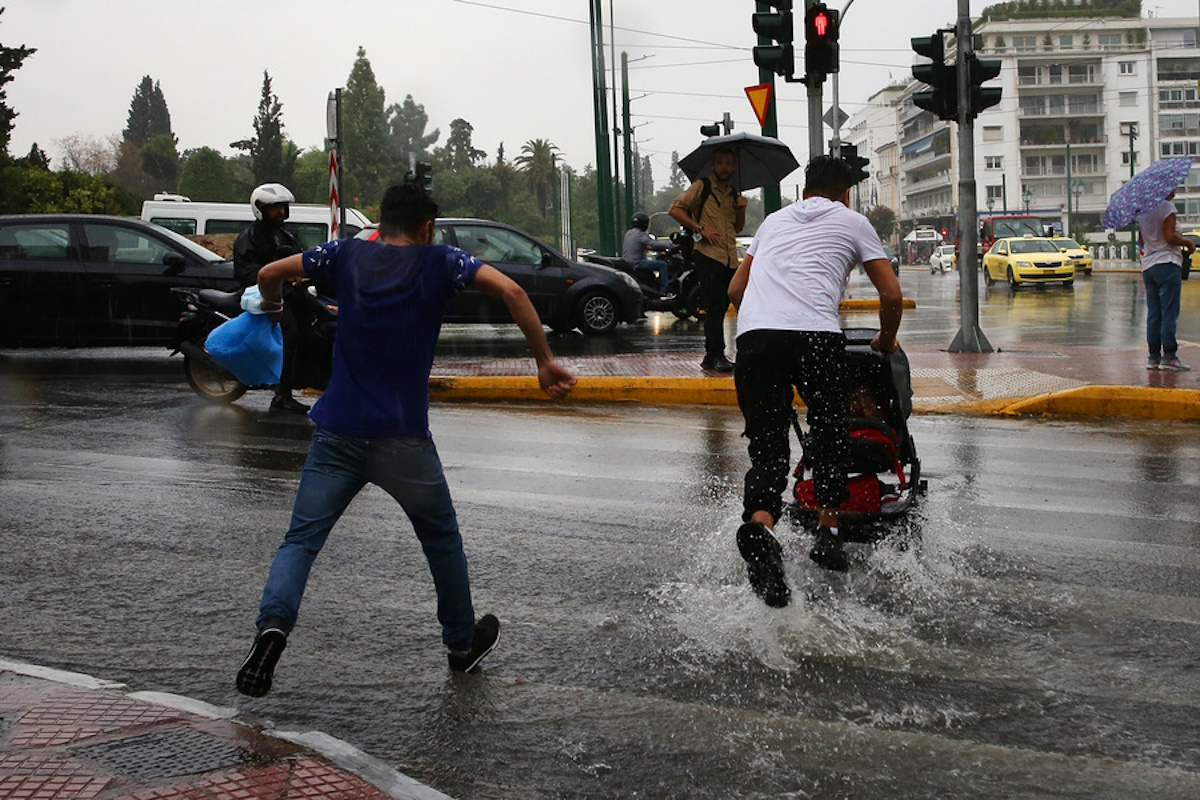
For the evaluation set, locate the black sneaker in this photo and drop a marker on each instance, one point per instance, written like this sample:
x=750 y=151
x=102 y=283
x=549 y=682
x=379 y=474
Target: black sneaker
x=487 y=636
x=829 y=552
x=717 y=362
x=254 y=678
x=288 y=405
x=764 y=563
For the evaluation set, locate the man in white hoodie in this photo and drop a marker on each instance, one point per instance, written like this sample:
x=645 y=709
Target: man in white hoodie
x=787 y=290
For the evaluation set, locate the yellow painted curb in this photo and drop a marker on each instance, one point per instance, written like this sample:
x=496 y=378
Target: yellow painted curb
x=1142 y=402
x=868 y=304
x=665 y=391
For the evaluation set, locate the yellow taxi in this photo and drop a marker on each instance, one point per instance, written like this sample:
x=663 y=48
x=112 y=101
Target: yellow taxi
x=1027 y=259
x=1078 y=253
x=1194 y=235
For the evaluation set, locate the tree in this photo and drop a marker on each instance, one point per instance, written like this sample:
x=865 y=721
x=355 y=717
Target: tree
x=459 y=153
x=406 y=132
x=537 y=161
x=205 y=176
x=160 y=163
x=148 y=114
x=678 y=180
x=310 y=180
x=272 y=157
x=365 y=141
x=82 y=153
x=11 y=59
x=883 y=220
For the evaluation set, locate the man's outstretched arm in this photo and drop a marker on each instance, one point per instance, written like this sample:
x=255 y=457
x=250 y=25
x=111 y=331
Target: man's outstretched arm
x=556 y=381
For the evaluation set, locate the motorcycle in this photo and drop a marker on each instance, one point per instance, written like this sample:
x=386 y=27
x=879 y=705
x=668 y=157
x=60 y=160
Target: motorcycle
x=683 y=288
x=205 y=309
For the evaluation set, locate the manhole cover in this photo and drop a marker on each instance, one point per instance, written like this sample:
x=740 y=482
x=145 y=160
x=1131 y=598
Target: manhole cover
x=164 y=755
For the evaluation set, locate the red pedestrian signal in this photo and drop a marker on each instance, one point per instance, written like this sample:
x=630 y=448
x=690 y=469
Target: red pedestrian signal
x=821 y=23
x=820 y=42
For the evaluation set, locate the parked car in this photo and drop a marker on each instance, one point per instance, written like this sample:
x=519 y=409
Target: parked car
x=942 y=258
x=308 y=223
x=1027 y=259
x=1080 y=255
x=1192 y=263
x=86 y=280
x=566 y=294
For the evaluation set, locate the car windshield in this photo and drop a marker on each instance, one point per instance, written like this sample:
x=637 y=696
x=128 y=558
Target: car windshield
x=187 y=244
x=946 y=250
x=1033 y=246
x=1015 y=227
x=1069 y=244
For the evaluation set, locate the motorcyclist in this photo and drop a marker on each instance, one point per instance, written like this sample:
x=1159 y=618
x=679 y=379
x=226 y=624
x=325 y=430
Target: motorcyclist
x=267 y=240
x=633 y=251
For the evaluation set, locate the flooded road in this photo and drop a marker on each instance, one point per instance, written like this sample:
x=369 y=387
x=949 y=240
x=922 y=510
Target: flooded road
x=1032 y=632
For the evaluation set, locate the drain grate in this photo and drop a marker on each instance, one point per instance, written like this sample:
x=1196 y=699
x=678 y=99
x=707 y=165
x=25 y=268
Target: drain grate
x=164 y=755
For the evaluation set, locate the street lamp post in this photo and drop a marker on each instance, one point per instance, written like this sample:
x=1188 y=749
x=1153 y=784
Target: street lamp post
x=1076 y=189
x=991 y=203
x=1026 y=195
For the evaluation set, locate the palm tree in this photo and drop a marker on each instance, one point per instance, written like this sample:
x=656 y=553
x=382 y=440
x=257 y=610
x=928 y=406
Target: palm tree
x=537 y=161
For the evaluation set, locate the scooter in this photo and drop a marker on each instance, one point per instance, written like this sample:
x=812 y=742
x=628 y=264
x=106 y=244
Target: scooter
x=683 y=288
x=205 y=309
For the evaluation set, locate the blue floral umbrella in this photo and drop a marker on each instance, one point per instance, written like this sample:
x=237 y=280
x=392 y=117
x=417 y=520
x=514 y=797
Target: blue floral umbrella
x=1145 y=190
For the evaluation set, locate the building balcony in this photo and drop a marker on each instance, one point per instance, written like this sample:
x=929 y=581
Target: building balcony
x=1070 y=111
x=1042 y=143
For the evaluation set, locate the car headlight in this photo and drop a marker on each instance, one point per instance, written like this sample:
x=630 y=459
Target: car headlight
x=1024 y=264
x=630 y=281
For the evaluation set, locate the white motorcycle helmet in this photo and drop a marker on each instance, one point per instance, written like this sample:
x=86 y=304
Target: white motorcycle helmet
x=269 y=194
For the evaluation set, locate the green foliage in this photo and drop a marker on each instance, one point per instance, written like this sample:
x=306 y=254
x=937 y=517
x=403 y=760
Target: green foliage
x=883 y=220
x=459 y=153
x=205 y=176
x=538 y=162
x=11 y=59
x=310 y=180
x=368 y=159
x=272 y=156
x=1044 y=9
x=406 y=131
x=31 y=189
x=148 y=114
x=160 y=163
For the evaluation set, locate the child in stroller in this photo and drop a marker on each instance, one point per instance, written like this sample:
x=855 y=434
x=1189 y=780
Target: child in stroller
x=884 y=471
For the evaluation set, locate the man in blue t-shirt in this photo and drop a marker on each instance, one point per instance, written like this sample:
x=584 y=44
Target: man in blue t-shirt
x=373 y=420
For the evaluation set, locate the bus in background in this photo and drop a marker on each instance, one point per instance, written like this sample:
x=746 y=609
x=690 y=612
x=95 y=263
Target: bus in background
x=1002 y=226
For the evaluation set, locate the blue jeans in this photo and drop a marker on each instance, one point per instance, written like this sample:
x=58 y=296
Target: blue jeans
x=653 y=265
x=408 y=469
x=1163 y=282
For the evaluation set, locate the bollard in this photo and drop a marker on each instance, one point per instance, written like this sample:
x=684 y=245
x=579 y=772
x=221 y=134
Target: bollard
x=1124 y=252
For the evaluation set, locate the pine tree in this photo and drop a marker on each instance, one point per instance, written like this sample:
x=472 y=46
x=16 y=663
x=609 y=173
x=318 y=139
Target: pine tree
x=406 y=127
x=148 y=114
x=272 y=157
x=11 y=59
x=364 y=139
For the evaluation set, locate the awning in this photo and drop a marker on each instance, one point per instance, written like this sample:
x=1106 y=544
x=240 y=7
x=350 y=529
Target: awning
x=922 y=146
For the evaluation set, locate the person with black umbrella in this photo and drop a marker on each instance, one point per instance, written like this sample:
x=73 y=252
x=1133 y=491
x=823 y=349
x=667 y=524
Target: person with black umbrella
x=715 y=213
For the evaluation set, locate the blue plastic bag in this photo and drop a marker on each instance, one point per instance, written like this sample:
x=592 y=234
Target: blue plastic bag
x=250 y=347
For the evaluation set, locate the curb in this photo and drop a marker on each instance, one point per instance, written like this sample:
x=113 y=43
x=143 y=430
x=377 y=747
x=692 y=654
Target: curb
x=1134 y=402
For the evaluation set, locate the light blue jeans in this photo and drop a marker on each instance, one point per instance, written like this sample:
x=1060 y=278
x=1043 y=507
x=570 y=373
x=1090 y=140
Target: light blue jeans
x=408 y=469
x=1164 y=283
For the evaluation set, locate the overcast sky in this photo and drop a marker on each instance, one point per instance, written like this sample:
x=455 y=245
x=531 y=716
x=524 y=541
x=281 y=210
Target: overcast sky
x=515 y=69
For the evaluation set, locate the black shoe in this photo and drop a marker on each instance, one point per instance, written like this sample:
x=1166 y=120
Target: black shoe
x=764 y=563
x=487 y=636
x=288 y=405
x=717 y=363
x=829 y=552
x=254 y=678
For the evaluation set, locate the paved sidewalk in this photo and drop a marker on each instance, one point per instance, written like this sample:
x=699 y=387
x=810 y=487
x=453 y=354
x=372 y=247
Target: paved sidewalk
x=66 y=736
x=1030 y=379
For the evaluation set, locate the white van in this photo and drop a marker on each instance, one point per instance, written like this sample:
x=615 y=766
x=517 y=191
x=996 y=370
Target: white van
x=308 y=223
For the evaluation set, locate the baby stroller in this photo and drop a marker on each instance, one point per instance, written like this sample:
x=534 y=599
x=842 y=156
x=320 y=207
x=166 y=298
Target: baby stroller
x=883 y=468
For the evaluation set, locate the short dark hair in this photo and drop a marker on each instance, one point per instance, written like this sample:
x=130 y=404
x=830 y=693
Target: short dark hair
x=827 y=176
x=405 y=208
x=723 y=150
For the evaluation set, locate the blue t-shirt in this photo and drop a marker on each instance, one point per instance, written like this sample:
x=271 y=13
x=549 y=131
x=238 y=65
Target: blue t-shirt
x=390 y=305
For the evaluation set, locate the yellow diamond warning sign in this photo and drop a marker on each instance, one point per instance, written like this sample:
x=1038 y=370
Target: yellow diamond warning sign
x=760 y=98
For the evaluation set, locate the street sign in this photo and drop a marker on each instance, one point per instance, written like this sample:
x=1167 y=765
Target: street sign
x=842 y=118
x=760 y=99
x=331 y=131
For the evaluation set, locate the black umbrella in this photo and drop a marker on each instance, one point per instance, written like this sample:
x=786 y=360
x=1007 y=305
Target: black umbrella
x=761 y=161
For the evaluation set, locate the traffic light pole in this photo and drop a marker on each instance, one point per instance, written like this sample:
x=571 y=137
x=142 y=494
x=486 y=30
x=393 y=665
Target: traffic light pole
x=970 y=338
x=816 y=146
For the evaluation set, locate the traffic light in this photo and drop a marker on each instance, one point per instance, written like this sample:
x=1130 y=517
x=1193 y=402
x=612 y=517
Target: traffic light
x=420 y=175
x=777 y=25
x=942 y=98
x=981 y=71
x=711 y=130
x=856 y=162
x=820 y=41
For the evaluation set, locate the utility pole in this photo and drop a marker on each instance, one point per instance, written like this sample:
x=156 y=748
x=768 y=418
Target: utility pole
x=970 y=338
x=604 y=184
x=627 y=132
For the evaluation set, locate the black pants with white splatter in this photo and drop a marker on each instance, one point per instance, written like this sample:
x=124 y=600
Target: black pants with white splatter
x=769 y=365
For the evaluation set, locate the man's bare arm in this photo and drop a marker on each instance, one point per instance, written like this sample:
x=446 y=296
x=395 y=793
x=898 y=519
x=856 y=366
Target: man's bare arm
x=891 y=303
